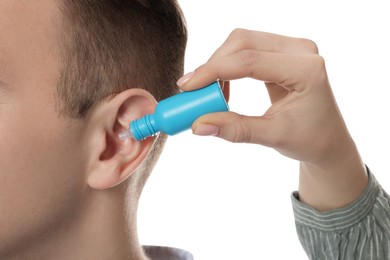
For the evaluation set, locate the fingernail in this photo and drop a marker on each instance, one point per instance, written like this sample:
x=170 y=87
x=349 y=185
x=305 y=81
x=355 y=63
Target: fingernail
x=205 y=130
x=185 y=78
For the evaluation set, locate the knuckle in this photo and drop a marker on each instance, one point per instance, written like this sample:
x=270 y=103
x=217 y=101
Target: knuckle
x=240 y=37
x=248 y=57
x=240 y=133
x=316 y=68
x=321 y=66
x=318 y=62
x=239 y=33
x=309 y=45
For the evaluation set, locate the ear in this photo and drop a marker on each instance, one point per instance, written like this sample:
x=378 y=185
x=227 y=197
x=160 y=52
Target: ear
x=111 y=160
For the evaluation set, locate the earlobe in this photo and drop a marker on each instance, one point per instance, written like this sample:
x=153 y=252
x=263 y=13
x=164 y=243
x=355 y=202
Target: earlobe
x=116 y=160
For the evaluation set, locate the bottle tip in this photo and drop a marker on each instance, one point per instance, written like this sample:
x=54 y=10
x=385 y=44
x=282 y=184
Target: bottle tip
x=124 y=135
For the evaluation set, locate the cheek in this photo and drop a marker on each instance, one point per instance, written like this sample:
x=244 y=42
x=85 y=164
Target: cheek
x=41 y=175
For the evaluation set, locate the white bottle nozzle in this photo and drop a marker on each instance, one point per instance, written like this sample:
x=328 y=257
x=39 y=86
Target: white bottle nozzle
x=125 y=134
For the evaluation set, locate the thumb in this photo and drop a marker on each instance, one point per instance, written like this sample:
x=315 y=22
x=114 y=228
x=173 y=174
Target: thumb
x=233 y=127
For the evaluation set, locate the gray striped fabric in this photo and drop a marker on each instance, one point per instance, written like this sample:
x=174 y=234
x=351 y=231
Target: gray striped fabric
x=360 y=231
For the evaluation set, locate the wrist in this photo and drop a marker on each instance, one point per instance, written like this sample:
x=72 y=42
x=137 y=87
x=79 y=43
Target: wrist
x=335 y=182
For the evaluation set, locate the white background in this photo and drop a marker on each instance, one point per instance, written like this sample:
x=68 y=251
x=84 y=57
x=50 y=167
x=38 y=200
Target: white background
x=232 y=201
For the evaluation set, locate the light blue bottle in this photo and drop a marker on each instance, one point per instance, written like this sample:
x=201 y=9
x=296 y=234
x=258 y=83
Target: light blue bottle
x=177 y=113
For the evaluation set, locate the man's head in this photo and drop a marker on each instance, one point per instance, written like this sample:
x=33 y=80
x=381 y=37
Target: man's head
x=73 y=74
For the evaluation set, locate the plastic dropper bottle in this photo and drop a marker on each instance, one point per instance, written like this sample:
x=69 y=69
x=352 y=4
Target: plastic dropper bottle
x=177 y=113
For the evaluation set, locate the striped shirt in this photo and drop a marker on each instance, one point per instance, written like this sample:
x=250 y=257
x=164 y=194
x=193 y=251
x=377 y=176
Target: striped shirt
x=360 y=231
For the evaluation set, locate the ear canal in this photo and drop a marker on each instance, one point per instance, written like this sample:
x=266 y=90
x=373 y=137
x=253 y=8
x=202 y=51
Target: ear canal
x=134 y=108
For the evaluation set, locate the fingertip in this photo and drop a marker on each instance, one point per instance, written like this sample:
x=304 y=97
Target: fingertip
x=206 y=130
x=180 y=82
x=199 y=78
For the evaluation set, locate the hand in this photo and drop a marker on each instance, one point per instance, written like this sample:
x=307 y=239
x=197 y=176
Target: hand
x=303 y=122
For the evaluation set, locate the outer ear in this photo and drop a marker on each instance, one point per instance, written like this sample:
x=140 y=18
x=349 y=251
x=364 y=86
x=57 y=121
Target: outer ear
x=113 y=160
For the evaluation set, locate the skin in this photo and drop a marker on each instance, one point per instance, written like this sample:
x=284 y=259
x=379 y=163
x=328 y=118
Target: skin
x=63 y=181
x=303 y=122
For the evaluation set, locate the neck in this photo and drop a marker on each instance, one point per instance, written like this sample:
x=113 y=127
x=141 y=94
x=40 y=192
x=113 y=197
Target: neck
x=103 y=230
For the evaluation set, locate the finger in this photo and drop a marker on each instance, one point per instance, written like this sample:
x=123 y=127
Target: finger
x=280 y=68
x=234 y=127
x=276 y=92
x=241 y=39
x=247 y=40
